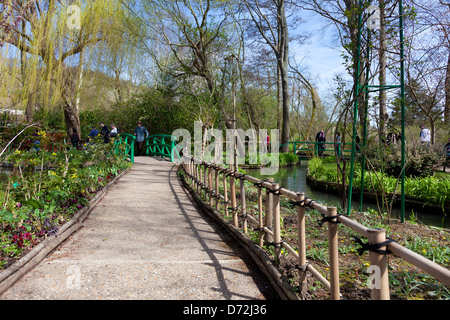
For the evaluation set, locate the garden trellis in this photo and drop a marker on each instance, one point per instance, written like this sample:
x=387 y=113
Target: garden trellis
x=359 y=89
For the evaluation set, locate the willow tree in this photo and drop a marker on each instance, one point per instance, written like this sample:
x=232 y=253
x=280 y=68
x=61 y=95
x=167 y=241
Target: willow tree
x=52 y=37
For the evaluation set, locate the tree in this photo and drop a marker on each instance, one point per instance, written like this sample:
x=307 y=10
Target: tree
x=269 y=18
x=344 y=16
x=434 y=15
x=50 y=36
x=193 y=38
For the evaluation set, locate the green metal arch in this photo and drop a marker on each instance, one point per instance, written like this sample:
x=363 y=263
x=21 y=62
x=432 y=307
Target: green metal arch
x=162 y=145
x=128 y=141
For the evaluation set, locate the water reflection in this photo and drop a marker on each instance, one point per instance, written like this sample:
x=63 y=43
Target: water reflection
x=294 y=179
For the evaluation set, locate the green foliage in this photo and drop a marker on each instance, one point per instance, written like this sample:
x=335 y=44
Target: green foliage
x=430 y=189
x=44 y=189
x=288 y=158
x=315 y=168
x=421 y=160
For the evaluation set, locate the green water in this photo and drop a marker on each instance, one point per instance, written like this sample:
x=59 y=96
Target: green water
x=294 y=179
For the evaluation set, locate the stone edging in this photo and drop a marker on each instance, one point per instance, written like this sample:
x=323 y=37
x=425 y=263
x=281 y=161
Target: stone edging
x=11 y=274
x=258 y=255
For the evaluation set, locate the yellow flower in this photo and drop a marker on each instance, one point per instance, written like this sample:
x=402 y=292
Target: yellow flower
x=424 y=251
x=53 y=154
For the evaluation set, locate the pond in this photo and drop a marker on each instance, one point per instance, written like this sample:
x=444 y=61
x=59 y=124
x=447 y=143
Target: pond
x=294 y=179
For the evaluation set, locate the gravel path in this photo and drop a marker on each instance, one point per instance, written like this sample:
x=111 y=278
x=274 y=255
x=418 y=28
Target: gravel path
x=145 y=240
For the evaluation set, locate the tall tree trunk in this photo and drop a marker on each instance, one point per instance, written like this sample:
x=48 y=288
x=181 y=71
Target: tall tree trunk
x=382 y=76
x=353 y=11
x=80 y=83
x=71 y=114
x=284 y=62
x=447 y=92
x=279 y=97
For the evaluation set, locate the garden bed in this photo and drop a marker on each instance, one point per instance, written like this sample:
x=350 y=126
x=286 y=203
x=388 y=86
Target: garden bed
x=37 y=204
x=406 y=280
x=413 y=203
x=17 y=266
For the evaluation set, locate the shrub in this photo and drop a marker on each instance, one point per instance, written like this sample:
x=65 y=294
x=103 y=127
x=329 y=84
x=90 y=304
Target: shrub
x=288 y=158
x=421 y=160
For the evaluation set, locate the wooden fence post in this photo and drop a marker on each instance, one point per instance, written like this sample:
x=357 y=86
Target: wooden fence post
x=225 y=193
x=380 y=287
x=268 y=214
x=260 y=217
x=301 y=225
x=276 y=221
x=233 y=200
x=205 y=179
x=243 y=206
x=333 y=253
x=199 y=178
x=210 y=185
x=216 y=183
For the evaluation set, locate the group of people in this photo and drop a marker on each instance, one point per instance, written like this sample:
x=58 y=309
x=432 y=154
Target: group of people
x=104 y=132
x=140 y=132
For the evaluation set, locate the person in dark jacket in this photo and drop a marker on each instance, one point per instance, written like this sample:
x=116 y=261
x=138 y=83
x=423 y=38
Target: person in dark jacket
x=75 y=139
x=320 y=139
x=104 y=131
x=92 y=134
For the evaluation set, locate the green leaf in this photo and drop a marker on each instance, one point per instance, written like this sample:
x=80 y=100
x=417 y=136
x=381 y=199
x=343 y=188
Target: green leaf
x=33 y=203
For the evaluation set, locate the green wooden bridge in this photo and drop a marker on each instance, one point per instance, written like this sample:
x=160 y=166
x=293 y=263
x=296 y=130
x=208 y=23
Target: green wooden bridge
x=308 y=149
x=161 y=145
x=164 y=145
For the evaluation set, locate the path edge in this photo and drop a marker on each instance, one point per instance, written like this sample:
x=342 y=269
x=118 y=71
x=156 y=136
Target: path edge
x=19 y=268
x=256 y=253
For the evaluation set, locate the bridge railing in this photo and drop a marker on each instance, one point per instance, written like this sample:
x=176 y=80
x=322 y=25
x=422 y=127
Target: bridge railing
x=205 y=179
x=162 y=145
x=127 y=140
x=312 y=148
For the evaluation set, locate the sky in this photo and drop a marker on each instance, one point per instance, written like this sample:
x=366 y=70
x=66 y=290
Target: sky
x=320 y=54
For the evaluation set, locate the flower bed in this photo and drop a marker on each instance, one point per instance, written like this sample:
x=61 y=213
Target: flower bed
x=37 y=202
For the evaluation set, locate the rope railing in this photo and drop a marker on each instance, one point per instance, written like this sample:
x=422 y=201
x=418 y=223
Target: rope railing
x=205 y=179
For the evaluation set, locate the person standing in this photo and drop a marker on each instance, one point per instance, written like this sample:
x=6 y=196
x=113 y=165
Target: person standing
x=425 y=135
x=92 y=134
x=141 y=133
x=320 y=139
x=337 y=146
x=114 y=131
x=75 y=139
x=104 y=131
